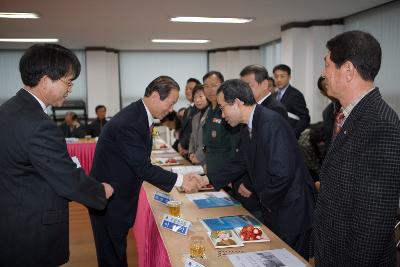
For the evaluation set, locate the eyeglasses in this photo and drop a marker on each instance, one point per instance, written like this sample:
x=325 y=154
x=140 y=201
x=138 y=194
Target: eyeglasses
x=68 y=83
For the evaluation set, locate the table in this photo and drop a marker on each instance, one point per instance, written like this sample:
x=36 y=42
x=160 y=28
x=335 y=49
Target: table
x=84 y=151
x=157 y=246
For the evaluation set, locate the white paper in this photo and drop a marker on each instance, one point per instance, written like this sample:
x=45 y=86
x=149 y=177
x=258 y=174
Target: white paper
x=266 y=258
x=71 y=140
x=76 y=161
x=192 y=263
x=187 y=169
x=164 y=152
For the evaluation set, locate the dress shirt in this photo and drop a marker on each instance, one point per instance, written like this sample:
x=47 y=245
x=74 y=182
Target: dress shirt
x=179 y=179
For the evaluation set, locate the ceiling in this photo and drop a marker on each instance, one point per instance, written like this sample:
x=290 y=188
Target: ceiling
x=131 y=24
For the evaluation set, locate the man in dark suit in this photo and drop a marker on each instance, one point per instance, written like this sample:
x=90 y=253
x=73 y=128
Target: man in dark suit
x=37 y=176
x=256 y=76
x=122 y=158
x=356 y=207
x=71 y=126
x=268 y=152
x=292 y=99
x=186 y=126
x=94 y=128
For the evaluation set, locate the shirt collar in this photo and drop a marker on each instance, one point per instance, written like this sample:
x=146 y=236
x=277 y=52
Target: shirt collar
x=347 y=110
x=283 y=90
x=149 y=116
x=250 y=124
x=42 y=104
x=262 y=99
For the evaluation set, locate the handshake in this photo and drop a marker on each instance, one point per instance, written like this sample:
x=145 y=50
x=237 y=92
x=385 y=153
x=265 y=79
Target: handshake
x=193 y=182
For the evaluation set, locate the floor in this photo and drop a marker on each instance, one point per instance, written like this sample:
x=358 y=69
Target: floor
x=82 y=249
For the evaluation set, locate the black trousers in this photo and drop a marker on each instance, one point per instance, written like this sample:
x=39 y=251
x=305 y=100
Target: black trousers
x=110 y=229
x=300 y=243
x=110 y=247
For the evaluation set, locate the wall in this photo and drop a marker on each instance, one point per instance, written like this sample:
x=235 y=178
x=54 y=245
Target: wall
x=384 y=24
x=139 y=68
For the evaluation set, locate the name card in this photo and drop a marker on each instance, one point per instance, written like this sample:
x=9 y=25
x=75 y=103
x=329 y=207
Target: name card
x=175 y=224
x=162 y=197
x=191 y=263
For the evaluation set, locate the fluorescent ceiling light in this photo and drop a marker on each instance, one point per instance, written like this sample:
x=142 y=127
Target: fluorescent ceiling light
x=211 y=20
x=14 y=15
x=187 y=41
x=29 y=40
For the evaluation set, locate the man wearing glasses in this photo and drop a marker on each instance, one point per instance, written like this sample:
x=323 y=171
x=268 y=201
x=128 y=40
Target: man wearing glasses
x=271 y=157
x=37 y=176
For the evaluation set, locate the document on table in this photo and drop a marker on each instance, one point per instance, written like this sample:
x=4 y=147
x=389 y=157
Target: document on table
x=188 y=169
x=266 y=258
x=76 y=161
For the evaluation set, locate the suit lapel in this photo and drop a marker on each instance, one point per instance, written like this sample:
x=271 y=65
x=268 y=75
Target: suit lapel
x=144 y=124
x=351 y=123
x=247 y=149
x=286 y=94
x=254 y=137
x=32 y=102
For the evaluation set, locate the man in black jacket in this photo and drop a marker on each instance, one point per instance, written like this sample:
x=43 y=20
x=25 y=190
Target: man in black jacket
x=37 y=176
x=186 y=125
x=122 y=158
x=94 y=128
x=292 y=99
x=256 y=76
x=273 y=161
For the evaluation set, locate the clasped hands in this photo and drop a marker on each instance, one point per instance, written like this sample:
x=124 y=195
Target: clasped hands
x=193 y=182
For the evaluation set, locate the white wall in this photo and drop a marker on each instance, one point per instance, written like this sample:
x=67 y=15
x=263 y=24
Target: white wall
x=231 y=62
x=102 y=81
x=384 y=24
x=303 y=49
x=138 y=69
x=10 y=78
x=271 y=55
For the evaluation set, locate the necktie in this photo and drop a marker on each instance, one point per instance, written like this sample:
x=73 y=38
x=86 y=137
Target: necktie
x=279 y=96
x=249 y=129
x=339 y=120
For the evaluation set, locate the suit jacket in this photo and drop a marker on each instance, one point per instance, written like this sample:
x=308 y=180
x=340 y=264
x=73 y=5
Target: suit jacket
x=356 y=208
x=277 y=173
x=75 y=132
x=37 y=179
x=273 y=104
x=196 y=145
x=295 y=104
x=122 y=158
x=252 y=203
x=94 y=129
x=186 y=127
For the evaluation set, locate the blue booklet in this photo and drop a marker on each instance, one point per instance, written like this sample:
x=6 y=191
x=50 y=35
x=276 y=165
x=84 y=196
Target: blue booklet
x=212 y=200
x=229 y=222
x=215 y=202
